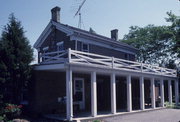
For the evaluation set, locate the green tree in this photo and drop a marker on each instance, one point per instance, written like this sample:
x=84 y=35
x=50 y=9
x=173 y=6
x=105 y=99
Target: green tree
x=175 y=28
x=92 y=31
x=16 y=56
x=153 y=43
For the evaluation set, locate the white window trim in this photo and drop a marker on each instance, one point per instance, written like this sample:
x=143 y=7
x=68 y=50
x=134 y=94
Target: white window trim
x=81 y=103
x=45 y=48
x=59 y=43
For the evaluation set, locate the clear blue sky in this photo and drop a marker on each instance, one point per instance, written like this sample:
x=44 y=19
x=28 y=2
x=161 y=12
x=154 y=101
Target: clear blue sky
x=101 y=15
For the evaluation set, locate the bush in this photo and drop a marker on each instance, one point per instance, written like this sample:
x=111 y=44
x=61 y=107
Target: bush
x=12 y=111
x=9 y=111
x=173 y=105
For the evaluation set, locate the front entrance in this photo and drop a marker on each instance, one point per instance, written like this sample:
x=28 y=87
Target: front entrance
x=79 y=98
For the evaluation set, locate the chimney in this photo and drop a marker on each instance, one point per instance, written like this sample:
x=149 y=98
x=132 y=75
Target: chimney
x=114 y=34
x=55 y=12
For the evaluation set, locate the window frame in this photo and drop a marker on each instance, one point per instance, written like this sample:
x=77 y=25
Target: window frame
x=60 y=46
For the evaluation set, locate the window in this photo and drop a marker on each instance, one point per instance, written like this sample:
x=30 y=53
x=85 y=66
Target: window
x=82 y=46
x=85 y=47
x=126 y=56
x=60 y=46
x=45 y=49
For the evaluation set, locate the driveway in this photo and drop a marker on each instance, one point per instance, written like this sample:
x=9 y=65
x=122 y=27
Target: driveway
x=163 y=115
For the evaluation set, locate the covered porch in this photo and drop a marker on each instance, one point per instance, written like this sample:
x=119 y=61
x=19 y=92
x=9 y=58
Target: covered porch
x=100 y=85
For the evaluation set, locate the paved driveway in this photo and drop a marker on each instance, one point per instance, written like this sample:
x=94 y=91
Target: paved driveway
x=163 y=115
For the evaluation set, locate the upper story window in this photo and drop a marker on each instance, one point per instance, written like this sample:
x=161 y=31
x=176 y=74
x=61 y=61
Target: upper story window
x=45 y=49
x=126 y=56
x=85 y=47
x=82 y=46
x=60 y=46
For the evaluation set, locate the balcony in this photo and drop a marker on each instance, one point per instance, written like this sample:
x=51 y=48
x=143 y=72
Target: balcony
x=99 y=61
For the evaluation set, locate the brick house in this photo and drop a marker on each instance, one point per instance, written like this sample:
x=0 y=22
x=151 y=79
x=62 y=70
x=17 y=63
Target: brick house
x=82 y=72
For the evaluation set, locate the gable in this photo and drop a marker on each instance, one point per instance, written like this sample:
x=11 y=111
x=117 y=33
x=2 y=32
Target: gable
x=48 y=30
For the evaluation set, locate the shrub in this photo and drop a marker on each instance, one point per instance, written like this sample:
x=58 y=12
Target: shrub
x=12 y=110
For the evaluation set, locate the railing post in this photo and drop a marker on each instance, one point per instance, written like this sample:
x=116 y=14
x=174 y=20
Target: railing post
x=112 y=62
x=69 y=55
x=141 y=67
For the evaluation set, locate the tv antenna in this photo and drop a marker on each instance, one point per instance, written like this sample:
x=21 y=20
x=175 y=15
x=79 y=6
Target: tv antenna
x=79 y=13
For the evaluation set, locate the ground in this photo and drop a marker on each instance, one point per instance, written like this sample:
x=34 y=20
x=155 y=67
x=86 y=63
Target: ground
x=163 y=115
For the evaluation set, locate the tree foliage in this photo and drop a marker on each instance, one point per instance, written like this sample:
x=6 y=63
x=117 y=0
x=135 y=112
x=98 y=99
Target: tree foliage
x=175 y=28
x=92 y=31
x=16 y=56
x=157 y=44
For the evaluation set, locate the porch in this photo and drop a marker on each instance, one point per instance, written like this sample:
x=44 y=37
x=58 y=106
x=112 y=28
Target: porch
x=132 y=85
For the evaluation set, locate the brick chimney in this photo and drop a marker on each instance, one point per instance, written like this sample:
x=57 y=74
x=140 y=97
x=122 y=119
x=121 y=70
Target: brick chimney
x=114 y=34
x=55 y=12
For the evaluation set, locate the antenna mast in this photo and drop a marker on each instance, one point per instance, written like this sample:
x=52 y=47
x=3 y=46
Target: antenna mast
x=79 y=13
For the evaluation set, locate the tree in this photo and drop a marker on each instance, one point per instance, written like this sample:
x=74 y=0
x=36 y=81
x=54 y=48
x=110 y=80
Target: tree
x=91 y=30
x=153 y=43
x=16 y=56
x=175 y=28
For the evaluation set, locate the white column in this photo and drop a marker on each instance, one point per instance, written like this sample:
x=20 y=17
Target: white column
x=177 y=91
x=153 y=102
x=93 y=94
x=113 y=93
x=129 y=94
x=162 y=92
x=142 y=92
x=170 y=91
x=69 y=96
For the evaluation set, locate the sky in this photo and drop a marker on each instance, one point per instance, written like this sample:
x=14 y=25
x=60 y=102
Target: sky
x=101 y=15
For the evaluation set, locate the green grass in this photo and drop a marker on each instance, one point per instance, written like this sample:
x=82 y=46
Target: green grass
x=174 y=106
x=96 y=121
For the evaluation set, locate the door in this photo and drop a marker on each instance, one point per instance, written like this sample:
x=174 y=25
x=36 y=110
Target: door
x=79 y=97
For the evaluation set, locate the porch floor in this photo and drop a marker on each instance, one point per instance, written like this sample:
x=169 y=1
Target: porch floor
x=101 y=114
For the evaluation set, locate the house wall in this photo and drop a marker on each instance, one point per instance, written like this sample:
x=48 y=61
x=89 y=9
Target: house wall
x=58 y=36
x=47 y=87
x=54 y=37
x=110 y=52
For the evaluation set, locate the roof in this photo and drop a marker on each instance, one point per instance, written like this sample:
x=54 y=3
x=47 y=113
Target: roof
x=70 y=30
x=97 y=35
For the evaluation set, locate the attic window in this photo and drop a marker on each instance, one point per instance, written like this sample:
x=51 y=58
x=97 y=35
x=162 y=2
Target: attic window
x=60 y=46
x=45 y=49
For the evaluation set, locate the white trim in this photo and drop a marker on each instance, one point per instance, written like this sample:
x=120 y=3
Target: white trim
x=162 y=92
x=44 y=34
x=54 y=67
x=81 y=103
x=45 y=48
x=176 y=91
x=62 y=28
x=48 y=30
x=70 y=32
x=113 y=93
x=142 y=93
x=103 y=38
x=69 y=96
x=170 y=91
x=93 y=94
x=153 y=101
x=129 y=93
x=59 y=43
x=95 y=42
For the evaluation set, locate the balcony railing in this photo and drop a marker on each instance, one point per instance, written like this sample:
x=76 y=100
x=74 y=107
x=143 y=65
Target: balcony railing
x=100 y=61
